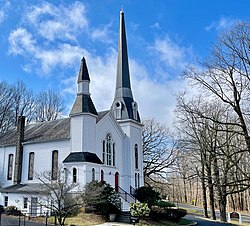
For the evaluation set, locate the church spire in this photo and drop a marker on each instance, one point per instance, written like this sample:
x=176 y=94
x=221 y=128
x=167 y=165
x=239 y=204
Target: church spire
x=83 y=102
x=124 y=106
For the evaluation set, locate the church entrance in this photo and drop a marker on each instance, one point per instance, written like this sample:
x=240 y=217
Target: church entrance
x=116 y=181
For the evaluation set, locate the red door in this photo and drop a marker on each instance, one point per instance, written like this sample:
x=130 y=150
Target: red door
x=116 y=181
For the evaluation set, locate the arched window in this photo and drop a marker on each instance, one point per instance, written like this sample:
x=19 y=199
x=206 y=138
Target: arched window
x=10 y=167
x=113 y=154
x=54 y=165
x=102 y=175
x=31 y=166
x=93 y=174
x=136 y=156
x=138 y=181
x=103 y=151
x=135 y=180
x=74 y=175
x=108 y=149
x=116 y=181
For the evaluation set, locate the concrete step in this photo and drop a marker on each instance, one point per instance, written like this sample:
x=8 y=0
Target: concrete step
x=124 y=217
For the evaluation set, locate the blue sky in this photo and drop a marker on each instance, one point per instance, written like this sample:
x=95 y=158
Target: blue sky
x=42 y=43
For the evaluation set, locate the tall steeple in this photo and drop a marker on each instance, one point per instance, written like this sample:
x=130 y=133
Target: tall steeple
x=123 y=107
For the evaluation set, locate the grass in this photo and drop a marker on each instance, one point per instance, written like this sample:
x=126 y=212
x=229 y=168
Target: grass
x=82 y=219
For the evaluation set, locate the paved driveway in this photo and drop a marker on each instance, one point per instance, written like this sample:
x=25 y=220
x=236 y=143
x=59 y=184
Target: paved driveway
x=205 y=222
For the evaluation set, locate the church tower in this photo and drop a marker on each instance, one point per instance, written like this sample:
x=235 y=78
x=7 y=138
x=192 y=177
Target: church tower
x=83 y=115
x=124 y=106
x=125 y=111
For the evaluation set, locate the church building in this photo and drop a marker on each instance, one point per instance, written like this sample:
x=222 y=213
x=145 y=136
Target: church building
x=89 y=145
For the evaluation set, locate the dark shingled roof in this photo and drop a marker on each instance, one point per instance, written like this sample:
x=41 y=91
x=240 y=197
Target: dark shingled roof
x=39 y=132
x=101 y=114
x=83 y=72
x=43 y=131
x=25 y=188
x=82 y=157
x=83 y=104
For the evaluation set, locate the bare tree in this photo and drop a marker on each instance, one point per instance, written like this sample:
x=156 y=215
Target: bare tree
x=6 y=113
x=49 y=106
x=59 y=196
x=23 y=102
x=225 y=74
x=159 y=150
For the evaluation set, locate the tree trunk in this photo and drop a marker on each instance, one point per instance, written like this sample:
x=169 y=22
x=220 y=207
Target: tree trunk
x=211 y=192
x=185 y=189
x=222 y=198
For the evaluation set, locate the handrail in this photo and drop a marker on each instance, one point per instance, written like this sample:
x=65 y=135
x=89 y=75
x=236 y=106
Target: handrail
x=132 y=191
x=125 y=195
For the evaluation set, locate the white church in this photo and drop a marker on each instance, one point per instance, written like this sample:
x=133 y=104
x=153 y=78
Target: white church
x=90 y=145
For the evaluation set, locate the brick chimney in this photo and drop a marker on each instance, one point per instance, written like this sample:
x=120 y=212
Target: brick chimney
x=19 y=150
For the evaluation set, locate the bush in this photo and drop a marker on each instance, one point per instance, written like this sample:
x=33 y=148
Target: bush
x=139 y=210
x=1 y=209
x=170 y=214
x=101 y=198
x=164 y=204
x=12 y=210
x=147 y=195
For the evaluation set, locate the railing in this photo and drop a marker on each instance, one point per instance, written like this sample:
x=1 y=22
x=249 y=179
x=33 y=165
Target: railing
x=132 y=191
x=125 y=195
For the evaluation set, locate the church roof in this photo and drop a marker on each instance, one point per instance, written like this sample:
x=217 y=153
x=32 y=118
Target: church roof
x=43 y=131
x=82 y=157
x=83 y=72
x=83 y=104
x=39 y=132
x=25 y=188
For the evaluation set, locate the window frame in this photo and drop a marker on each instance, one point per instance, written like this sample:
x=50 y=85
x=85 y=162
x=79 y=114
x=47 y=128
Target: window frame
x=31 y=166
x=10 y=166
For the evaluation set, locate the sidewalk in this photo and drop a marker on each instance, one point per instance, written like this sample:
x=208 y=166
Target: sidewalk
x=114 y=224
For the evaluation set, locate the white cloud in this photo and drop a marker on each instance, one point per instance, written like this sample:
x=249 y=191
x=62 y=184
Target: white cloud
x=21 y=42
x=58 y=23
x=221 y=24
x=156 y=26
x=170 y=53
x=102 y=34
x=4 y=8
x=65 y=55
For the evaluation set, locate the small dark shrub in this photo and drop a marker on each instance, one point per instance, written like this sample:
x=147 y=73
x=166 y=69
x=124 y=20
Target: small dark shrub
x=12 y=210
x=1 y=209
x=100 y=197
x=170 y=214
x=147 y=195
x=164 y=204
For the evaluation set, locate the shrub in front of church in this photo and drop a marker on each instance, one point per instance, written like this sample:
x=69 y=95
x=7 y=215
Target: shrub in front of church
x=170 y=214
x=12 y=210
x=147 y=195
x=1 y=209
x=164 y=204
x=139 y=210
x=100 y=197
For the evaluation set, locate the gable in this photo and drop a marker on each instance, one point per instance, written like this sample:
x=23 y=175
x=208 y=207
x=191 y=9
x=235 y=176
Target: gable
x=109 y=124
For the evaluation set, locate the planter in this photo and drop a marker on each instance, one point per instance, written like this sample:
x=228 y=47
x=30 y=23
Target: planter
x=112 y=217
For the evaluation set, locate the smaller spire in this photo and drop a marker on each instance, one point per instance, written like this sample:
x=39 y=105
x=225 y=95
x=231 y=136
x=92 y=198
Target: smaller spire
x=83 y=72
